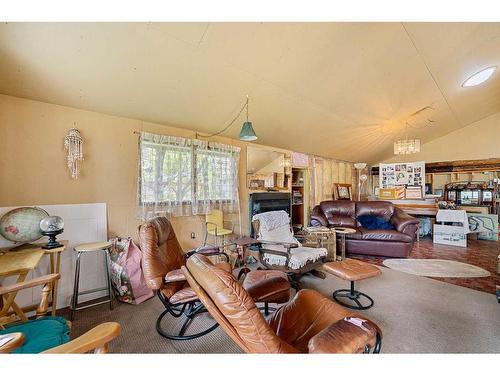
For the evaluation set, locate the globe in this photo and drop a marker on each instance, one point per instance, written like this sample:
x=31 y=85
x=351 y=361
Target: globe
x=22 y=224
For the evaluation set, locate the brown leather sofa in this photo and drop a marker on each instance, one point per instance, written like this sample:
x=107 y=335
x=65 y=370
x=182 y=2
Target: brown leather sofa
x=396 y=242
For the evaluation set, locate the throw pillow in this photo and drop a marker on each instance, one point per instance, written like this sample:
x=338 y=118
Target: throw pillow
x=374 y=222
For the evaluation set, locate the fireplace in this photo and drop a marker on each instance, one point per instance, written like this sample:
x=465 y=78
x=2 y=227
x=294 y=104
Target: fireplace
x=265 y=202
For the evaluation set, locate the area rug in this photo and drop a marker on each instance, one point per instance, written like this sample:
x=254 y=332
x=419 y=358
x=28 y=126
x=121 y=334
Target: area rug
x=416 y=315
x=435 y=268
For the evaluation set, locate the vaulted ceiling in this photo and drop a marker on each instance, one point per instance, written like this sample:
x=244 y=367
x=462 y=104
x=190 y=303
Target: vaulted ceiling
x=342 y=90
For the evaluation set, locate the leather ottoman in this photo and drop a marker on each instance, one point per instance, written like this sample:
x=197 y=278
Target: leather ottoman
x=267 y=286
x=352 y=270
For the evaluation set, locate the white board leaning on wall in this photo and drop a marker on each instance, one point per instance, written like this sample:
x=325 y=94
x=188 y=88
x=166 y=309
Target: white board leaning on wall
x=83 y=223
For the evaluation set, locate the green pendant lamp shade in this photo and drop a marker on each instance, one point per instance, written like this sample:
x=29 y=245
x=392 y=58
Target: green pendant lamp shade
x=247 y=133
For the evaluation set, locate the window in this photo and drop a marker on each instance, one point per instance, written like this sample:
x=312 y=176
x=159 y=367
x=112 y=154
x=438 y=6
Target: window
x=180 y=176
x=166 y=173
x=469 y=197
x=214 y=175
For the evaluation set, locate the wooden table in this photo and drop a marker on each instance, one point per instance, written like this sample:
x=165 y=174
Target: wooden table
x=242 y=244
x=55 y=265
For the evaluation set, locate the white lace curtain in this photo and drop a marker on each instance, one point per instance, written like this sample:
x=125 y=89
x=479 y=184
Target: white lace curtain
x=181 y=176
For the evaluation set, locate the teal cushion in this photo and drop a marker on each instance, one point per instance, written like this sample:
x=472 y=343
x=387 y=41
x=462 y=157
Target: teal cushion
x=41 y=334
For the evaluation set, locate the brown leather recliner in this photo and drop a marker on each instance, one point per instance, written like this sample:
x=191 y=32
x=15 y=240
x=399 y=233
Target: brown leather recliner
x=396 y=242
x=162 y=258
x=309 y=323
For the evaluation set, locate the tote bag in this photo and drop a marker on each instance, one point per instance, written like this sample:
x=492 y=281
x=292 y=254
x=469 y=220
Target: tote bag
x=126 y=272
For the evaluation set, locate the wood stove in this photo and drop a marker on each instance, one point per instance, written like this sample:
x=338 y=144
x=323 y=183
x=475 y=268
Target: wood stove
x=265 y=202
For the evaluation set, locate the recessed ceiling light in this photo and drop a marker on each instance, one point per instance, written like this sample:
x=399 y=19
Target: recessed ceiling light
x=479 y=77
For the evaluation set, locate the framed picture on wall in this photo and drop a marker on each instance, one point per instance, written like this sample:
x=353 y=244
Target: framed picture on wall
x=342 y=191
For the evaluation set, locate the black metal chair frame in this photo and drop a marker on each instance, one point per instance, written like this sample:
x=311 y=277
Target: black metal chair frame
x=353 y=295
x=189 y=309
x=377 y=347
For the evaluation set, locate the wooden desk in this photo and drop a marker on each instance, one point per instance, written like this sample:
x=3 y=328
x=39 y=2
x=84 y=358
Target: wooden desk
x=55 y=264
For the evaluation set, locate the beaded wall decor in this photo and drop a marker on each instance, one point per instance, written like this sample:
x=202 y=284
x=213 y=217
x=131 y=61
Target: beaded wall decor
x=73 y=144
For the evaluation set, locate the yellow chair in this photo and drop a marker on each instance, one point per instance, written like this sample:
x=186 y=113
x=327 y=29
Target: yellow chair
x=214 y=225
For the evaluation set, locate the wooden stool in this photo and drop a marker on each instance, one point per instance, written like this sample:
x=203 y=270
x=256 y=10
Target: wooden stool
x=352 y=270
x=87 y=248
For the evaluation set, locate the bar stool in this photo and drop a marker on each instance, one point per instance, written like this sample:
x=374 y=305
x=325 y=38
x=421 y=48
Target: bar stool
x=87 y=248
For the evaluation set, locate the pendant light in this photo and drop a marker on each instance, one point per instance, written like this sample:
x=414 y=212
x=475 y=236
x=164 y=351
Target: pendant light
x=247 y=133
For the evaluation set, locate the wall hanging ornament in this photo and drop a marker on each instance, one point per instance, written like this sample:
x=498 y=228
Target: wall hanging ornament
x=73 y=144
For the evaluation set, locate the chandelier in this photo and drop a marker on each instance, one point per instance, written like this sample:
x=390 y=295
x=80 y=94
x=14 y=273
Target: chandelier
x=407 y=146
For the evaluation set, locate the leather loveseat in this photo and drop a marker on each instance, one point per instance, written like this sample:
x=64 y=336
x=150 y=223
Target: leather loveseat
x=396 y=242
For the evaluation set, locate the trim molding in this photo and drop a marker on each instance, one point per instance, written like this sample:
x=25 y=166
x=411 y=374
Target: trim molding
x=458 y=166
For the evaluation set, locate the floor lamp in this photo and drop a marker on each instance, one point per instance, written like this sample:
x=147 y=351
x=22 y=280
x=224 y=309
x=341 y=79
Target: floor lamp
x=361 y=177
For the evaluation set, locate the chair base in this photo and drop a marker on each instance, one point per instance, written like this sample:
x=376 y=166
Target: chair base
x=190 y=310
x=294 y=277
x=377 y=347
x=266 y=309
x=354 y=296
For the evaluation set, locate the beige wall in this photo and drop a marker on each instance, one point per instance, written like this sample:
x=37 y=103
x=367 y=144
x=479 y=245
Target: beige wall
x=480 y=140
x=33 y=166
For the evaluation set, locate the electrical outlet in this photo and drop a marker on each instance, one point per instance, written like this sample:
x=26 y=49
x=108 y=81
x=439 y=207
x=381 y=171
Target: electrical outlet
x=193 y=235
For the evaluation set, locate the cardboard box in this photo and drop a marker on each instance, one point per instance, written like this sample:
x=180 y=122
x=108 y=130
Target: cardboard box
x=449 y=235
x=392 y=193
x=413 y=192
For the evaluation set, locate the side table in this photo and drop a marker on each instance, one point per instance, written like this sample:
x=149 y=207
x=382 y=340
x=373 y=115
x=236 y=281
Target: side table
x=55 y=267
x=242 y=244
x=342 y=232
x=322 y=237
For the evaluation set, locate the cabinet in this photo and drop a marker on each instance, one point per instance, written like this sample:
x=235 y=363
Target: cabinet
x=473 y=193
x=300 y=198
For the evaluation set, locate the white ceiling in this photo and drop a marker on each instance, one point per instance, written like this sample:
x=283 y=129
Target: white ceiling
x=343 y=90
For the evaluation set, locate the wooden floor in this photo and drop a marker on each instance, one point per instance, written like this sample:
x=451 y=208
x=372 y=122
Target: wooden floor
x=479 y=253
